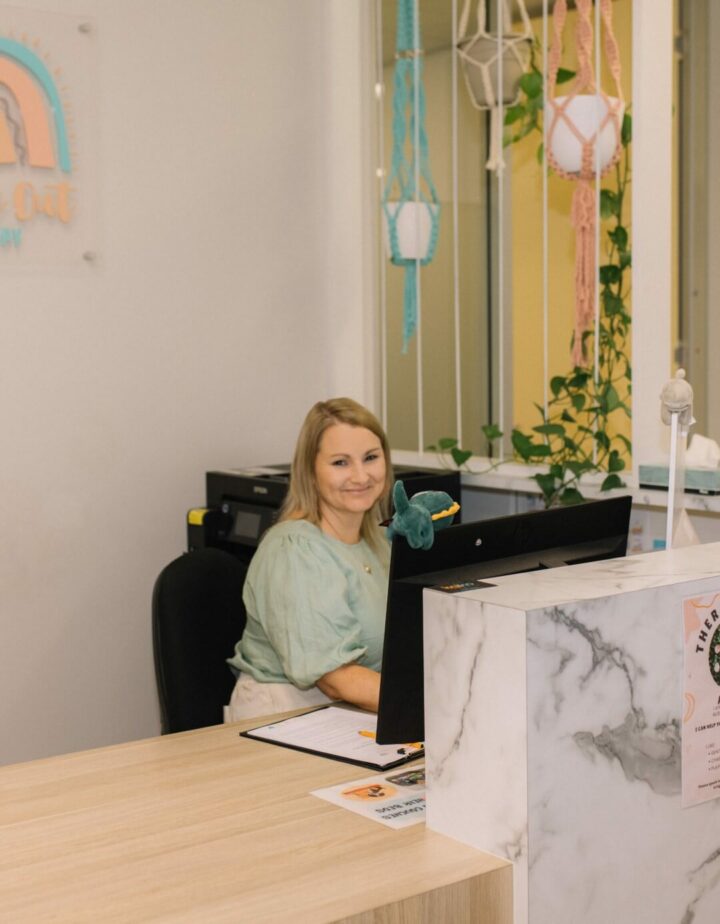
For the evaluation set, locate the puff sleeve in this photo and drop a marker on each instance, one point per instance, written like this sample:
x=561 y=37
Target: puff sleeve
x=305 y=607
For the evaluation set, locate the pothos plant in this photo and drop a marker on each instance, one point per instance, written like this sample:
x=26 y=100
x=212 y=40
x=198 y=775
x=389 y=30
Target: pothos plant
x=577 y=433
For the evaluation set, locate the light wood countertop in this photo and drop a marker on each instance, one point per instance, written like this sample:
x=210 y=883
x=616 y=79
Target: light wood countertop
x=207 y=826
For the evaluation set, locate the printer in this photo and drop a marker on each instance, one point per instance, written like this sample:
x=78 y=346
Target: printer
x=242 y=503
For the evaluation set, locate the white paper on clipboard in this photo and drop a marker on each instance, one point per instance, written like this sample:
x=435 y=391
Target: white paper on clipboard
x=339 y=732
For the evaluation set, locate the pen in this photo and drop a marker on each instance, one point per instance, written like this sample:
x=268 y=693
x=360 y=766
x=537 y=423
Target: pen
x=369 y=734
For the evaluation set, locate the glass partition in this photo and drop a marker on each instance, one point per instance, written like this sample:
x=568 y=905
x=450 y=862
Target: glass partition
x=497 y=299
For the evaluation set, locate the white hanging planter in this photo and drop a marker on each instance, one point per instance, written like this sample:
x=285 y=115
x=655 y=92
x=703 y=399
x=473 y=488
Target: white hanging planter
x=479 y=57
x=587 y=113
x=414 y=228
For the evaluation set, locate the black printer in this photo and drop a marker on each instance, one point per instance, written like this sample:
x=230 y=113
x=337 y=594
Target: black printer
x=242 y=503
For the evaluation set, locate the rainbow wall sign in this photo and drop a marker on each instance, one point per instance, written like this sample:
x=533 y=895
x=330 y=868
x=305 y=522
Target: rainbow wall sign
x=35 y=161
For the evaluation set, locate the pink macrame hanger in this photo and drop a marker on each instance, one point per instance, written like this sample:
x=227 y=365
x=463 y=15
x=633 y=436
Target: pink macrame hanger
x=560 y=109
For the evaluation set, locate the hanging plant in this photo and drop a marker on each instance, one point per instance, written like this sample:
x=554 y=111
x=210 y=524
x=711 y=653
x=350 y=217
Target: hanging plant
x=410 y=203
x=583 y=143
x=578 y=434
x=485 y=57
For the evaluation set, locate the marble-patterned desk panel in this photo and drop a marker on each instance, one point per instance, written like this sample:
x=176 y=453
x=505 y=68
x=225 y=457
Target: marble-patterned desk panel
x=536 y=589
x=553 y=739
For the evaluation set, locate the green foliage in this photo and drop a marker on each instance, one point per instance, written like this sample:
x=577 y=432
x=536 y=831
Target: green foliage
x=526 y=114
x=491 y=432
x=577 y=430
x=450 y=445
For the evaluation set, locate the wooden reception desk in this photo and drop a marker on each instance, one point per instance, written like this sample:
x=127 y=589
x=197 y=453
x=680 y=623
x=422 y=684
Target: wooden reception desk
x=207 y=826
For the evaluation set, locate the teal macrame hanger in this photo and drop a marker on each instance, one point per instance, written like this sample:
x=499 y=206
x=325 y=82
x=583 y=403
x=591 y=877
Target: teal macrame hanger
x=411 y=206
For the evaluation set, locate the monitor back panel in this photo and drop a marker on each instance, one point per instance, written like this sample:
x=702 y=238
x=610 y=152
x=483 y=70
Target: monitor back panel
x=475 y=552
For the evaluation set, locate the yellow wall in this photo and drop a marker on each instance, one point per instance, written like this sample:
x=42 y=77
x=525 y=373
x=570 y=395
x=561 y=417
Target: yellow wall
x=529 y=377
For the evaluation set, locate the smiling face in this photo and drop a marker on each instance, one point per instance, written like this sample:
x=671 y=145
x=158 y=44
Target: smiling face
x=349 y=471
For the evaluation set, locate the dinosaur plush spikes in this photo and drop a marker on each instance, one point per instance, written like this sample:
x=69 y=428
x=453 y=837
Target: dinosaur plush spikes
x=419 y=517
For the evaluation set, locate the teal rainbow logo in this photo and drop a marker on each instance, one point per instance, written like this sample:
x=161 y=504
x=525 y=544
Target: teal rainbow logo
x=36 y=133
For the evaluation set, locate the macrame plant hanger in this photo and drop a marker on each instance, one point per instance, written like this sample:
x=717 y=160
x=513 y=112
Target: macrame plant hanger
x=491 y=58
x=583 y=143
x=410 y=203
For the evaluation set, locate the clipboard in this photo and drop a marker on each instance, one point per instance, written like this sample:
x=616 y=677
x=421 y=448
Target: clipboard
x=339 y=733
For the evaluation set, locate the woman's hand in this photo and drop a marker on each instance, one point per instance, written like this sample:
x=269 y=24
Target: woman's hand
x=354 y=684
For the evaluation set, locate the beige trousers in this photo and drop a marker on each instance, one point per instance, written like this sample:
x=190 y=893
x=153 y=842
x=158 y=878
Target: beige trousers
x=251 y=699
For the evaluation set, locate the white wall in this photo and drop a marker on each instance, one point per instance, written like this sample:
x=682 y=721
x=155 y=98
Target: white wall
x=651 y=191
x=228 y=297
x=713 y=230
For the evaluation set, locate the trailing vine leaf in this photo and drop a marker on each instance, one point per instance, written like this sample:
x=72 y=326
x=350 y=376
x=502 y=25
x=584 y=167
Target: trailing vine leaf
x=609 y=203
x=619 y=237
x=626 y=130
x=557 y=383
x=492 y=432
x=579 y=378
x=460 y=456
x=513 y=113
x=612 y=399
x=602 y=439
x=571 y=496
x=612 y=481
x=521 y=444
x=613 y=303
x=546 y=484
x=531 y=83
x=447 y=443
x=579 y=467
x=609 y=274
x=625 y=441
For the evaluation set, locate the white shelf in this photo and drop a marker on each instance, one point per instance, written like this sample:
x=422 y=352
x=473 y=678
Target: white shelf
x=516 y=477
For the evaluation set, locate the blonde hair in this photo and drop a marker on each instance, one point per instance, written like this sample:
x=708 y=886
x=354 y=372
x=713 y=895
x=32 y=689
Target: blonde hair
x=303 y=499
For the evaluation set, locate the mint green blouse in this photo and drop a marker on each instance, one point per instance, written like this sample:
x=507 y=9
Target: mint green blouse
x=313 y=604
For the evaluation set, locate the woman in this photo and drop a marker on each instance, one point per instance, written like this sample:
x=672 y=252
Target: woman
x=316 y=588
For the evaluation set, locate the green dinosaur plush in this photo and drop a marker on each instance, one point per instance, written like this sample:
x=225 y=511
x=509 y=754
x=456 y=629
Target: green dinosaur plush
x=419 y=517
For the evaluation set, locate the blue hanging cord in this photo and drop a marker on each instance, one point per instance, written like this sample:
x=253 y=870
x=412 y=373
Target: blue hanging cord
x=403 y=171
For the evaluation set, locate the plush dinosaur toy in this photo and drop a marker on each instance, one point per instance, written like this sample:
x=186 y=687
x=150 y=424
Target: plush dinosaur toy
x=419 y=517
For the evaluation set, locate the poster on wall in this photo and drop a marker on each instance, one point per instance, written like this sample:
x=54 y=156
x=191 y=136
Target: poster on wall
x=701 y=700
x=48 y=150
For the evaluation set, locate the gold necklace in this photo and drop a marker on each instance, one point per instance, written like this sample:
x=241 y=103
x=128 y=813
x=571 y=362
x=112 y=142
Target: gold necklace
x=367 y=568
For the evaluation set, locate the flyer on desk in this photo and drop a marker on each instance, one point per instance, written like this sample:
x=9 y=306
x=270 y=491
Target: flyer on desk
x=395 y=799
x=701 y=700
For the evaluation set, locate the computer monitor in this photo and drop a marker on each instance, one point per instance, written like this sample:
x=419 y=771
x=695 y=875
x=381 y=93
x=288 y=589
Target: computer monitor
x=471 y=554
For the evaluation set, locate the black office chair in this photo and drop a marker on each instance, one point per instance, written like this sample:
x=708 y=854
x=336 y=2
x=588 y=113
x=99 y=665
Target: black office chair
x=198 y=616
